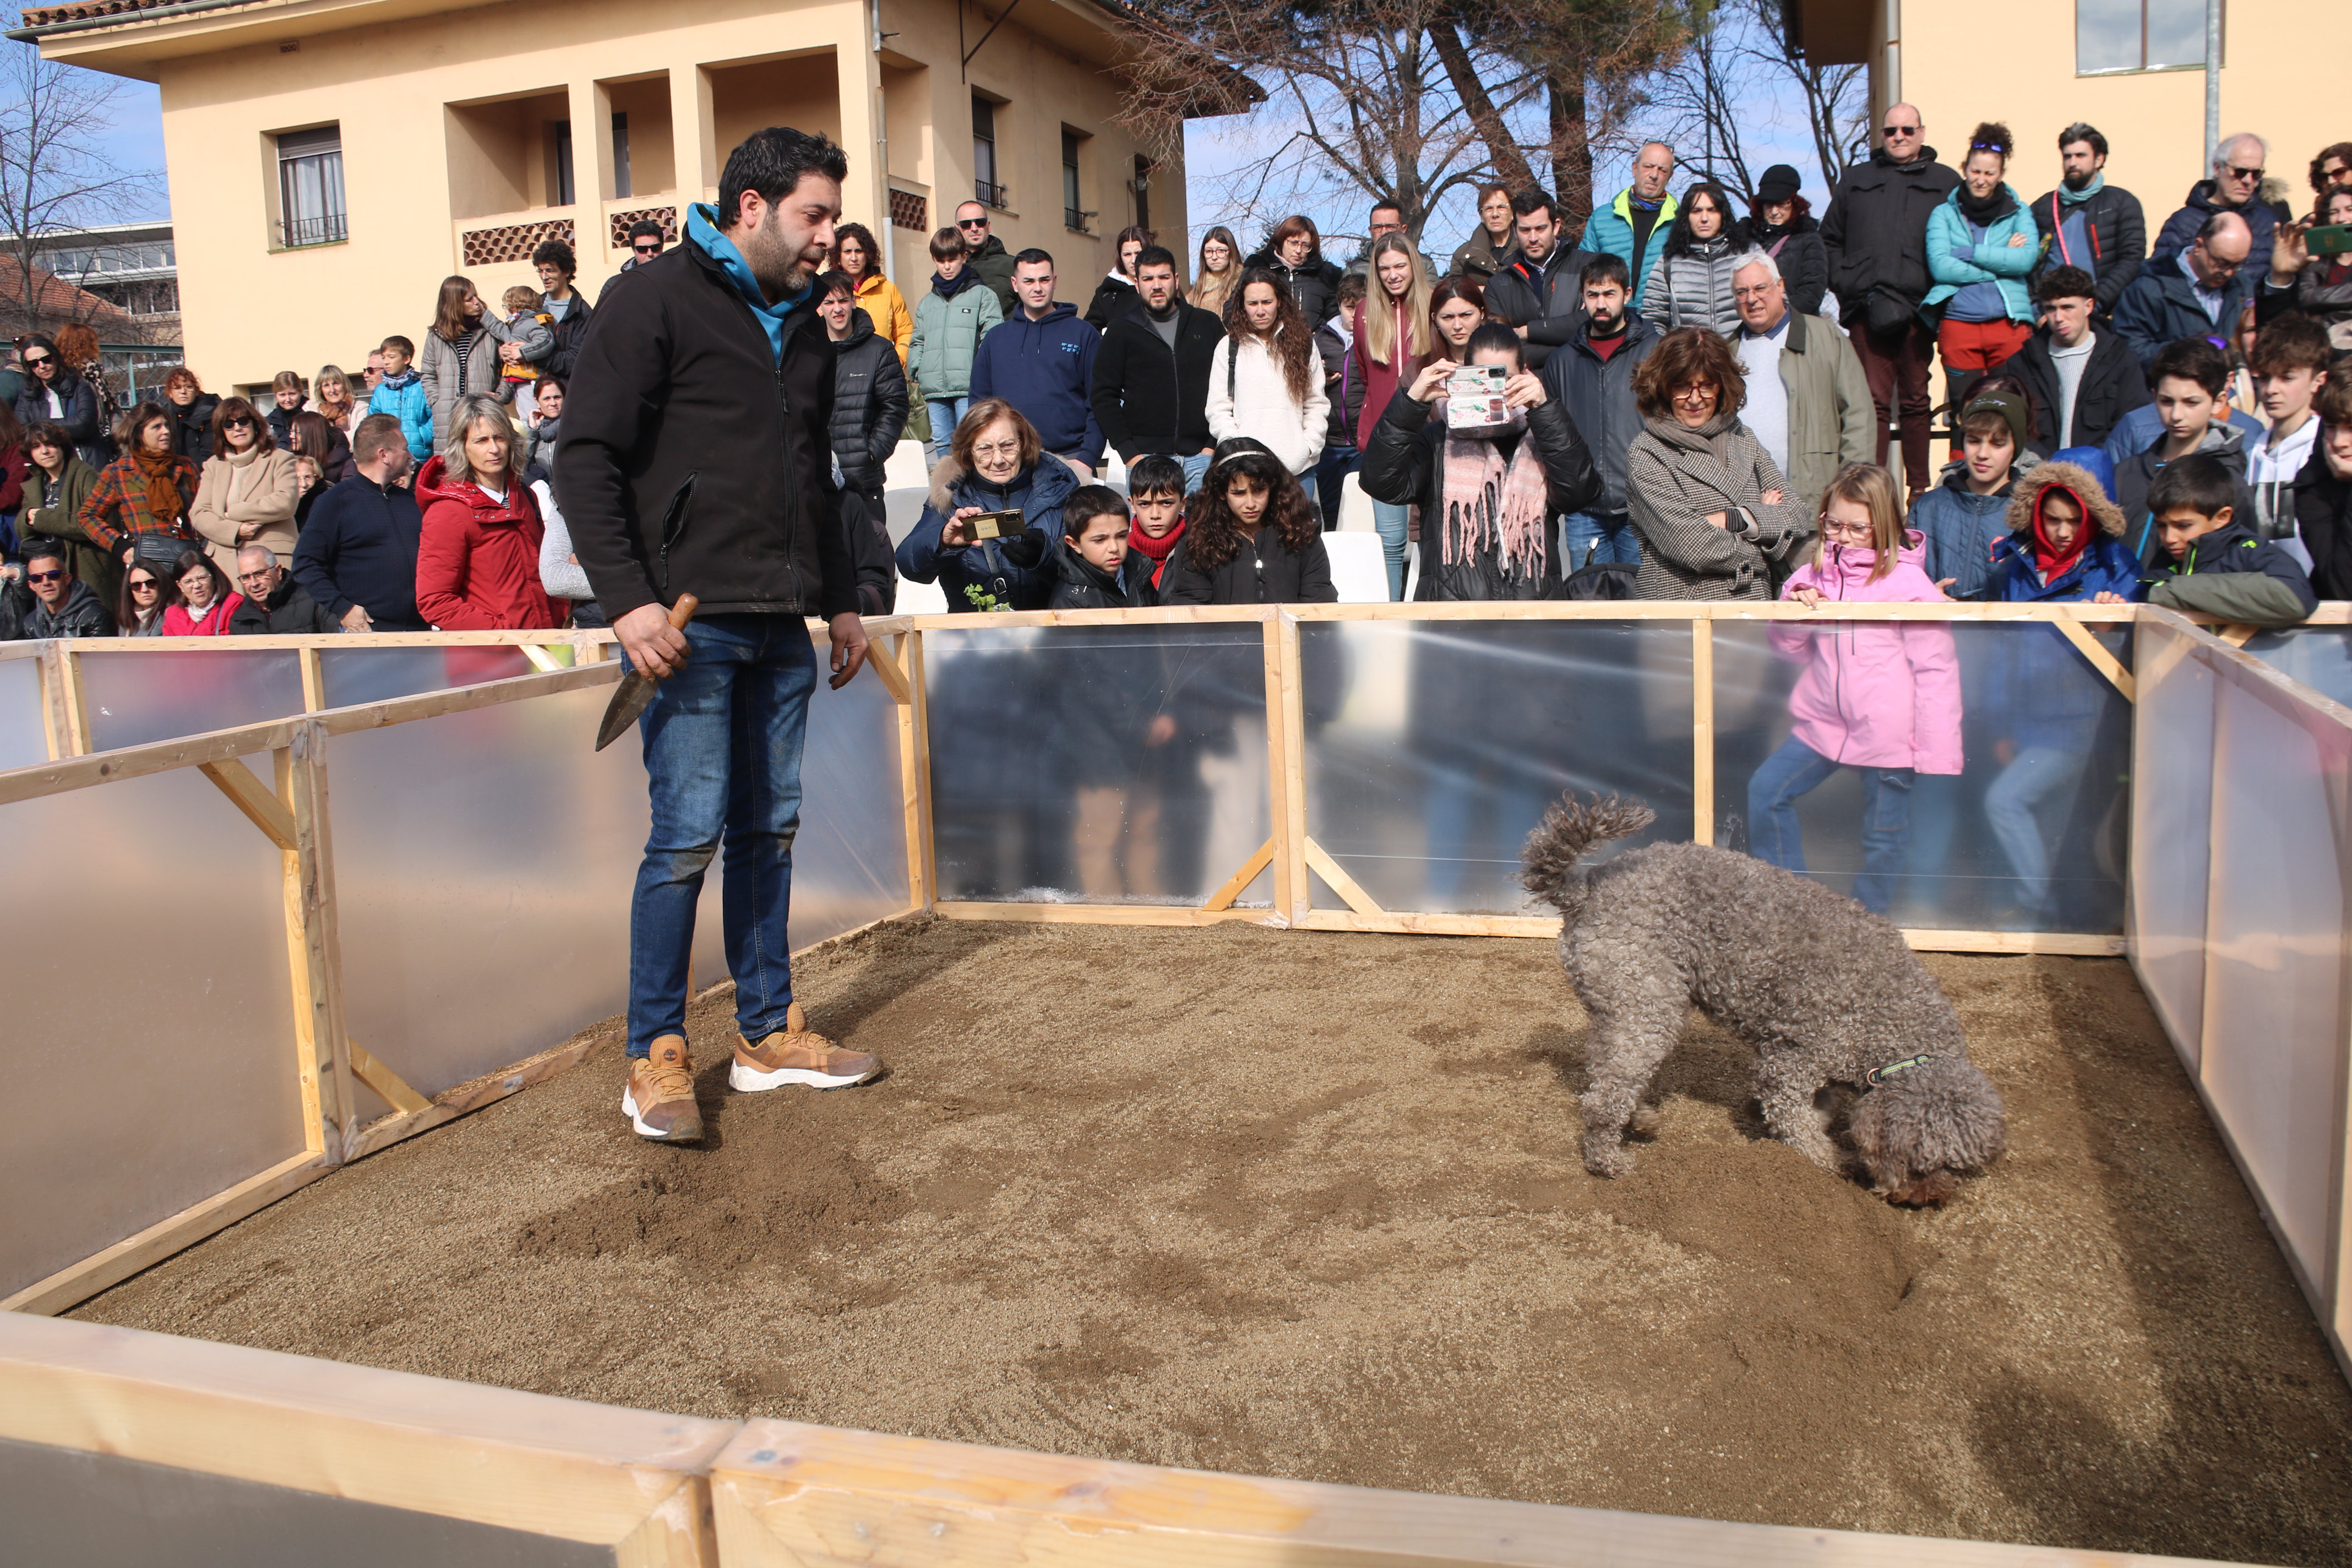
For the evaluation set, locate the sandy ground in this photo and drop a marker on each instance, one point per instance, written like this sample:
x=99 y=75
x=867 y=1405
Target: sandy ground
x=1309 y=1205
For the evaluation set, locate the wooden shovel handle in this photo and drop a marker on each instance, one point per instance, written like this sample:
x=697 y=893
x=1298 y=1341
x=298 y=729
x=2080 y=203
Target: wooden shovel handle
x=683 y=611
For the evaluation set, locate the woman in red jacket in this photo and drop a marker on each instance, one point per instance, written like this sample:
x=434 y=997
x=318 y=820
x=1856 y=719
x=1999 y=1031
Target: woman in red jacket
x=477 y=558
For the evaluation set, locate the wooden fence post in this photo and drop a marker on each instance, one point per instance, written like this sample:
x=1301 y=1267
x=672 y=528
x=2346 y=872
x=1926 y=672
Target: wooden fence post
x=314 y=953
x=1285 y=755
x=915 y=774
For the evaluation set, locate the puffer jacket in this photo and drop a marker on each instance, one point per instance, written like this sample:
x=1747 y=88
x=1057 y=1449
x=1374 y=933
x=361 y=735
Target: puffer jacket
x=2045 y=693
x=869 y=402
x=1960 y=254
x=1249 y=395
x=1674 y=478
x=1875 y=694
x=191 y=427
x=1264 y=571
x=258 y=486
x=1693 y=288
x=2105 y=234
x=948 y=330
x=1405 y=464
x=2179 y=231
x=451 y=371
x=1961 y=527
x=78 y=413
x=886 y=307
x=995 y=573
x=1079 y=584
x=1611 y=228
x=1314 y=282
x=1599 y=397
x=477 y=558
x=2107 y=564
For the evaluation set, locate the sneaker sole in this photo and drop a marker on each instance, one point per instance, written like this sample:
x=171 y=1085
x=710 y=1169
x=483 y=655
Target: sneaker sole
x=629 y=1110
x=753 y=1080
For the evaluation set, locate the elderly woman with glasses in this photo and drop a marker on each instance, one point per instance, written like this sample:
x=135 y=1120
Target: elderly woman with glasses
x=995 y=463
x=55 y=395
x=247 y=492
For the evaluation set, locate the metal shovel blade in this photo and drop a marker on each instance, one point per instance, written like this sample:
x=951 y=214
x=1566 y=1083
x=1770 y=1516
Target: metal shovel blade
x=637 y=688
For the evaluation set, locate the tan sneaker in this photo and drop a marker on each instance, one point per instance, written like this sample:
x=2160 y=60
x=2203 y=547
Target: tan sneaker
x=795 y=1054
x=659 y=1099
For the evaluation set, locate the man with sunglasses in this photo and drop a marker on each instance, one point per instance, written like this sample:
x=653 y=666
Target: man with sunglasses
x=646 y=242
x=63 y=604
x=2236 y=187
x=1876 y=233
x=988 y=260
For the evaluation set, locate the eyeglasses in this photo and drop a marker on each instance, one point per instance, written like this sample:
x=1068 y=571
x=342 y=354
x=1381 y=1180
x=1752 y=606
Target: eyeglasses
x=43 y=576
x=1901 y=130
x=996 y=449
x=258 y=575
x=1844 y=530
x=1694 y=392
x=1754 y=291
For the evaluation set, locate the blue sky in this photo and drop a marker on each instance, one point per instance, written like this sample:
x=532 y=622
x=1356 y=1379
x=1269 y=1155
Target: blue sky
x=136 y=141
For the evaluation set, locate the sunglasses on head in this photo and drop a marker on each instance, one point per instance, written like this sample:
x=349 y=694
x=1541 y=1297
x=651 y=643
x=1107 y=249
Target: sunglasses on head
x=43 y=576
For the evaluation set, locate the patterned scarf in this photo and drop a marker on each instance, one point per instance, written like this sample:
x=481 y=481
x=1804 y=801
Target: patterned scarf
x=1491 y=503
x=163 y=502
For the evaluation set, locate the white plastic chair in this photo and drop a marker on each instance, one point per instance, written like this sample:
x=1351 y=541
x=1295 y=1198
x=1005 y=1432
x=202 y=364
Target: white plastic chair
x=920 y=598
x=1358 y=570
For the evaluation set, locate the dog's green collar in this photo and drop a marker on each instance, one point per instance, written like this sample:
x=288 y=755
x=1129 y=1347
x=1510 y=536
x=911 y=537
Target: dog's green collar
x=1877 y=1076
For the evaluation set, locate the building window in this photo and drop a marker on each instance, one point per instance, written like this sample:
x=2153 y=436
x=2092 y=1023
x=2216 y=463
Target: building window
x=1073 y=206
x=311 y=187
x=621 y=186
x=565 y=191
x=2137 y=35
x=985 y=185
x=1141 y=187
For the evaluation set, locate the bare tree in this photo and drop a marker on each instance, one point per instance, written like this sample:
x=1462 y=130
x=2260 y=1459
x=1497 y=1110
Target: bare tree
x=55 y=177
x=1731 y=83
x=1836 y=98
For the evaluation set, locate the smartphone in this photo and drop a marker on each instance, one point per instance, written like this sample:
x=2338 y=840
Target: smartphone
x=995 y=525
x=2329 y=239
x=1474 y=397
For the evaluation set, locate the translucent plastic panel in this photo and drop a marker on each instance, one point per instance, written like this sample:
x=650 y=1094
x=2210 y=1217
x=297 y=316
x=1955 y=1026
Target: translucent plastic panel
x=2319 y=657
x=24 y=736
x=849 y=863
x=2172 y=816
x=1105 y=764
x=135 y=697
x=2030 y=836
x=1432 y=747
x=149 y=1041
x=2275 y=1029
x=356 y=675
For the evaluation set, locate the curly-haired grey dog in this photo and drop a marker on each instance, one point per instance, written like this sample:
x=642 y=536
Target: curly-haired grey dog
x=1826 y=991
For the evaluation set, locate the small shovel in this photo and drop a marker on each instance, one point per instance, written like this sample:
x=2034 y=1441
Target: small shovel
x=637 y=688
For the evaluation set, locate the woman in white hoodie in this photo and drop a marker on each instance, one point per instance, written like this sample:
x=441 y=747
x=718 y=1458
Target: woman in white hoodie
x=1265 y=380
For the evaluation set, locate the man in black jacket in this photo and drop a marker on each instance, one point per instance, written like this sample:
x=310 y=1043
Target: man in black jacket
x=1876 y=235
x=2323 y=494
x=271 y=603
x=1151 y=373
x=1539 y=294
x=63 y=604
x=356 y=554
x=556 y=266
x=2088 y=224
x=696 y=459
x=2083 y=380
x=1592 y=378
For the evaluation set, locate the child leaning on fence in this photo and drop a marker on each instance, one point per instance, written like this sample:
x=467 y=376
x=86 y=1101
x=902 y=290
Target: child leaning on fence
x=1880 y=697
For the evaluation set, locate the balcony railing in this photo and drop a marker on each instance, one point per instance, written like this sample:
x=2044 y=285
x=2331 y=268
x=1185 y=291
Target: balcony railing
x=324 y=230
x=989 y=192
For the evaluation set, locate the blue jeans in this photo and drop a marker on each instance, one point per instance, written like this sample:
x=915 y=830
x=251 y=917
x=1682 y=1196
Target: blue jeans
x=1795 y=770
x=946 y=412
x=1394 y=522
x=1196 y=468
x=1612 y=531
x=722 y=742
x=1329 y=472
x=2037 y=773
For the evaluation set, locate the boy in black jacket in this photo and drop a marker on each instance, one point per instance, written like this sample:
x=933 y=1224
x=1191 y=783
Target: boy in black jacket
x=1094 y=569
x=2218 y=563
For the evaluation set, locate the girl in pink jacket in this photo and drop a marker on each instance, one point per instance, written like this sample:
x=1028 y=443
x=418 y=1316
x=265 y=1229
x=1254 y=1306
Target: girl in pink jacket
x=1880 y=697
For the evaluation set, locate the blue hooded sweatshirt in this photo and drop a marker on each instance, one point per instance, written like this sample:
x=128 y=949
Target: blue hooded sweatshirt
x=702 y=228
x=1046 y=369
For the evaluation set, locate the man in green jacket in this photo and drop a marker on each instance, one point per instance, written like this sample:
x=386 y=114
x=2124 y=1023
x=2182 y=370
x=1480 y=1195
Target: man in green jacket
x=1814 y=415
x=1633 y=227
x=990 y=259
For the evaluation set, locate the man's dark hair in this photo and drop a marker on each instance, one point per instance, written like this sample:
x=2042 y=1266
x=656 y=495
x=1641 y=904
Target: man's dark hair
x=1532 y=200
x=1605 y=267
x=1031 y=257
x=1154 y=256
x=555 y=253
x=55 y=552
x=1155 y=473
x=646 y=228
x=2191 y=358
x=2293 y=342
x=2065 y=283
x=830 y=282
x=2200 y=483
x=374 y=435
x=2082 y=131
x=1089 y=502
x=1379 y=208
x=772 y=162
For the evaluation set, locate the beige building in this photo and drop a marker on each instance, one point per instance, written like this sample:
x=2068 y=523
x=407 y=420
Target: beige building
x=332 y=160
x=2134 y=69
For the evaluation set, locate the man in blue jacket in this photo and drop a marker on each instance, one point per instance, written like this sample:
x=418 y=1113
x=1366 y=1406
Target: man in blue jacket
x=2197 y=293
x=1633 y=227
x=1041 y=360
x=357 y=553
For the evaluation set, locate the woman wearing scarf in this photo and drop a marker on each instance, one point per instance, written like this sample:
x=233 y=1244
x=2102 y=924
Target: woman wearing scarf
x=1780 y=224
x=1981 y=245
x=1488 y=492
x=2066 y=545
x=140 y=503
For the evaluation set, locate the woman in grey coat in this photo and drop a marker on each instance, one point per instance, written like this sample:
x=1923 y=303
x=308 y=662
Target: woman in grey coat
x=1713 y=512
x=460 y=354
x=1691 y=284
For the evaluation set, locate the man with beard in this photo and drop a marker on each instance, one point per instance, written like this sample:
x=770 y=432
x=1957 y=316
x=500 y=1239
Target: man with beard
x=1537 y=295
x=1591 y=376
x=696 y=459
x=2089 y=224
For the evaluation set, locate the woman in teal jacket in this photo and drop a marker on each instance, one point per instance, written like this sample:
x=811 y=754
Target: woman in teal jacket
x=1981 y=244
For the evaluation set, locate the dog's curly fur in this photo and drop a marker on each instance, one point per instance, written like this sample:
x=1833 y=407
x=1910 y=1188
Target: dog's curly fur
x=1823 y=989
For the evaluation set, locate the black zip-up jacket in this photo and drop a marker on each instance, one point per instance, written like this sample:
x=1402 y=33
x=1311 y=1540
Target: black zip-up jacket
x=1876 y=231
x=1803 y=260
x=1598 y=394
x=2226 y=552
x=1079 y=584
x=1314 y=282
x=289 y=609
x=869 y=402
x=2323 y=515
x=570 y=334
x=191 y=427
x=2118 y=231
x=1147 y=400
x=2113 y=385
x=82 y=615
x=1547 y=299
x=681 y=415
x=1262 y=573
x=1405 y=466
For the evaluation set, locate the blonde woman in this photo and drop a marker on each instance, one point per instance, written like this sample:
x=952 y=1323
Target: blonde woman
x=1217 y=272
x=1392 y=342
x=478 y=552
x=331 y=399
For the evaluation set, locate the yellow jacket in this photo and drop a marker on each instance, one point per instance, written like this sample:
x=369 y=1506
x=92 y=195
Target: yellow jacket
x=888 y=309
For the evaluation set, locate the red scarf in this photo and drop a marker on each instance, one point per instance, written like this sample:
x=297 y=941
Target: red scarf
x=2047 y=558
x=1156 y=551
